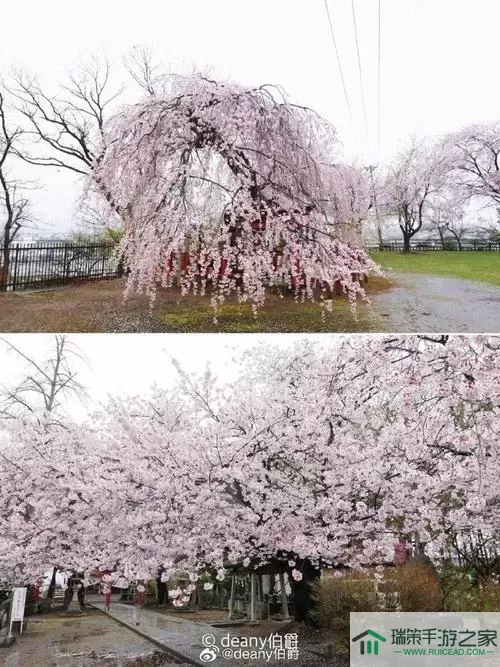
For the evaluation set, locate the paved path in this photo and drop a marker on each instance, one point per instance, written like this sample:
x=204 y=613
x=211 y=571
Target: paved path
x=423 y=302
x=176 y=635
x=183 y=638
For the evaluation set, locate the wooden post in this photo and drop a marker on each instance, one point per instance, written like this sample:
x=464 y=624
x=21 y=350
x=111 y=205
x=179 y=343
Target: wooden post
x=253 y=577
x=231 y=598
x=284 y=601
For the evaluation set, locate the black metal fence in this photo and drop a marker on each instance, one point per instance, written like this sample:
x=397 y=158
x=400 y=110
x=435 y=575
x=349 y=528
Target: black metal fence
x=37 y=265
x=452 y=245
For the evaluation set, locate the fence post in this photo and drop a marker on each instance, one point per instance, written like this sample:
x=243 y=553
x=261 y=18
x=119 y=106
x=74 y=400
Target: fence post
x=284 y=601
x=253 y=614
x=65 y=259
x=14 y=261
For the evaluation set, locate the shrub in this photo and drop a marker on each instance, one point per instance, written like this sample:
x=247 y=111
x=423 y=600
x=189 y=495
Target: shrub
x=418 y=587
x=473 y=598
x=410 y=587
x=336 y=597
x=151 y=594
x=488 y=598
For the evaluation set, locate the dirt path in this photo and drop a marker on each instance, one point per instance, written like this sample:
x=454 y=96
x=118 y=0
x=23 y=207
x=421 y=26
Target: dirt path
x=100 y=307
x=88 y=640
x=417 y=302
x=422 y=302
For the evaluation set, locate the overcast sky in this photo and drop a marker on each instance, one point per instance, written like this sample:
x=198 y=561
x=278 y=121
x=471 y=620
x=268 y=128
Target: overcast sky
x=126 y=364
x=439 y=60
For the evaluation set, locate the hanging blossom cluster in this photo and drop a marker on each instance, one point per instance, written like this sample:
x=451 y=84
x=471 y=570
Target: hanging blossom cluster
x=232 y=190
x=317 y=455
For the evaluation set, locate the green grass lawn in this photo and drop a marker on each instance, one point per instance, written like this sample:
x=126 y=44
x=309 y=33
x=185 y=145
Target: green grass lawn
x=291 y=317
x=480 y=266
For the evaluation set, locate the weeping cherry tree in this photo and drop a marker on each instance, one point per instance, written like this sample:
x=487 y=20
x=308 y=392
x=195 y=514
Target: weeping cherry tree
x=245 y=183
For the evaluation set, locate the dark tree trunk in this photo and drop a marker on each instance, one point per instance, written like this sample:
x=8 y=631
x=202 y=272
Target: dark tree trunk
x=120 y=266
x=303 y=602
x=52 y=585
x=441 y=236
x=406 y=242
x=68 y=595
x=162 y=590
x=5 y=266
x=81 y=596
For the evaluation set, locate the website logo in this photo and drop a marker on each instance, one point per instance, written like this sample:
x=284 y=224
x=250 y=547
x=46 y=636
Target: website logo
x=368 y=646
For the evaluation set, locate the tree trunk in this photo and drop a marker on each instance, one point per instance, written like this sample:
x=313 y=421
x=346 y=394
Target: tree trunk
x=52 y=585
x=162 y=591
x=120 y=267
x=4 y=267
x=68 y=595
x=303 y=602
x=81 y=596
x=406 y=242
x=379 y=234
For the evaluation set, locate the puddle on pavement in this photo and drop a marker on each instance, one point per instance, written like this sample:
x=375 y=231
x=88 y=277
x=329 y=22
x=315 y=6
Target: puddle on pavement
x=434 y=303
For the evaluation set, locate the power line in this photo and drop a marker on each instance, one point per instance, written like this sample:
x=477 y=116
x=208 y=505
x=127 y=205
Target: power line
x=359 y=67
x=379 y=76
x=338 y=61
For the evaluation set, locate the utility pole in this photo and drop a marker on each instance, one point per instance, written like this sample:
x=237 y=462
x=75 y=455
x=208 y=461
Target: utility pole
x=371 y=168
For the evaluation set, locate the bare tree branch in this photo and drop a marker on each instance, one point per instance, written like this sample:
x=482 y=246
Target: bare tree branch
x=143 y=70
x=70 y=124
x=46 y=384
x=13 y=204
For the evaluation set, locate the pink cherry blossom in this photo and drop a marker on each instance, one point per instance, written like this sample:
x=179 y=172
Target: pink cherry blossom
x=322 y=454
x=232 y=190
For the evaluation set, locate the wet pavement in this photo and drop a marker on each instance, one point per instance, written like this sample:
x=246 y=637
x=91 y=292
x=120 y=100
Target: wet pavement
x=201 y=643
x=180 y=636
x=423 y=302
x=88 y=639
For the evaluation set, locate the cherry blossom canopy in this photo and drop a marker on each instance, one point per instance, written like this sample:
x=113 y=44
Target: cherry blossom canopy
x=319 y=455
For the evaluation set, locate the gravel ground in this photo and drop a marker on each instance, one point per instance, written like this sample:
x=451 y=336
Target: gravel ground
x=311 y=647
x=305 y=659
x=88 y=640
x=93 y=639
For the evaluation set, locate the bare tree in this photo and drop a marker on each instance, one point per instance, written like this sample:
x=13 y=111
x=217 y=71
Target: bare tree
x=69 y=125
x=446 y=213
x=65 y=130
x=141 y=66
x=436 y=223
x=458 y=229
x=479 y=552
x=13 y=204
x=491 y=231
x=45 y=384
